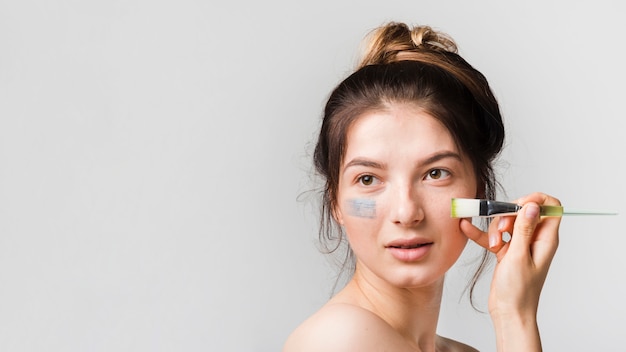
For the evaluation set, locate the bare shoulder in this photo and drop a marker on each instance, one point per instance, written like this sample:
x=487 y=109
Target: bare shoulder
x=345 y=327
x=445 y=344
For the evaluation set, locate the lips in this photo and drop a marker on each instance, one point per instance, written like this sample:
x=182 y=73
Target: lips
x=410 y=250
x=408 y=244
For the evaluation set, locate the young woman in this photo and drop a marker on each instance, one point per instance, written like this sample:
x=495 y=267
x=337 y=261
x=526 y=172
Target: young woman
x=414 y=126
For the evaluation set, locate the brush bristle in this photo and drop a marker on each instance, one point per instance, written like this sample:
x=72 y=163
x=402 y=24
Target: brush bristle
x=465 y=208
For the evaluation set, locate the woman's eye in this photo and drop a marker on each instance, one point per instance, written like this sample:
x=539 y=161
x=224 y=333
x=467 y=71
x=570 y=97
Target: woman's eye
x=436 y=174
x=367 y=180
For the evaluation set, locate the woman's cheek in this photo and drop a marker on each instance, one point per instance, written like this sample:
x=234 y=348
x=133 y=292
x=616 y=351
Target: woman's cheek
x=361 y=208
x=362 y=221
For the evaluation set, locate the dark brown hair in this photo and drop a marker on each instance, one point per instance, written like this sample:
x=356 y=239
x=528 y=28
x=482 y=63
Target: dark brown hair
x=417 y=66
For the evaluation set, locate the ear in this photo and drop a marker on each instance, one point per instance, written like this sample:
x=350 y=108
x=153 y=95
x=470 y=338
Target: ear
x=337 y=215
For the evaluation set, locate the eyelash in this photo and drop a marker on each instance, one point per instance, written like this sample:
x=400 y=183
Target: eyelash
x=444 y=171
x=360 y=179
x=429 y=174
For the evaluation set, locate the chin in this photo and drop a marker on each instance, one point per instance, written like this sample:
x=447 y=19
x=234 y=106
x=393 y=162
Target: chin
x=414 y=280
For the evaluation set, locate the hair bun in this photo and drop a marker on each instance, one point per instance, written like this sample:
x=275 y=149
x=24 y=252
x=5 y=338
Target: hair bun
x=426 y=37
x=395 y=41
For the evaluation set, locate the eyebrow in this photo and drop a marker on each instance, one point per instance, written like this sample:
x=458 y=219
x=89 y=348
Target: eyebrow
x=441 y=155
x=366 y=163
x=429 y=160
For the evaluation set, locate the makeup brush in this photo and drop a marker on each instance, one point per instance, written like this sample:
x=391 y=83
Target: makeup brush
x=467 y=208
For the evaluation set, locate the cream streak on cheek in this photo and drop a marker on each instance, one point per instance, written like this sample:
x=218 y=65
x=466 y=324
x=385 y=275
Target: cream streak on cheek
x=361 y=207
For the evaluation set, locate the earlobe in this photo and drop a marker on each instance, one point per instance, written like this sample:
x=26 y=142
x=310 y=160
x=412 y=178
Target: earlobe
x=337 y=216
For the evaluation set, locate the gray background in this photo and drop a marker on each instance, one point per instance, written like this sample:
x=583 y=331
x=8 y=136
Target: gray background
x=155 y=165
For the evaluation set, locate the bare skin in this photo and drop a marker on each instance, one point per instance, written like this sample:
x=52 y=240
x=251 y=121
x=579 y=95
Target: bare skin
x=399 y=173
x=521 y=270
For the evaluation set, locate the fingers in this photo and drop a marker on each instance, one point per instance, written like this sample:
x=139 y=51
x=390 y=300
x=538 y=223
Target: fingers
x=546 y=223
x=532 y=237
x=524 y=228
x=533 y=234
x=474 y=233
x=490 y=240
x=539 y=198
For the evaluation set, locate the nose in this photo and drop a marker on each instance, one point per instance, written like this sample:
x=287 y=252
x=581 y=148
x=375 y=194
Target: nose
x=407 y=206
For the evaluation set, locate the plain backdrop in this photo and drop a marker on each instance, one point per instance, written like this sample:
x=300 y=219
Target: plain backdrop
x=156 y=188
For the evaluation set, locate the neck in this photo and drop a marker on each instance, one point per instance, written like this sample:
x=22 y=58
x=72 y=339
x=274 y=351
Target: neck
x=413 y=312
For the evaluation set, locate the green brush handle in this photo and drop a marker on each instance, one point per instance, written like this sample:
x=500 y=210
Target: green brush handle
x=551 y=210
x=554 y=210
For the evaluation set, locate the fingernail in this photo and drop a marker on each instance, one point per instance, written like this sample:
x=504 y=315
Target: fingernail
x=501 y=224
x=532 y=211
x=493 y=241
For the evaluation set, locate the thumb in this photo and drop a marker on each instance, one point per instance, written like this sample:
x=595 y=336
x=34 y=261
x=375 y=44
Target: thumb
x=524 y=228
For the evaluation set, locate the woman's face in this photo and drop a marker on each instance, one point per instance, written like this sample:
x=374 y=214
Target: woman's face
x=401 y=169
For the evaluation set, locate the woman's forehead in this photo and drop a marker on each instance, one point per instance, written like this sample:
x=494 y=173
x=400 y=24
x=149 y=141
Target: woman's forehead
x=398 y=128
x=401 y=136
